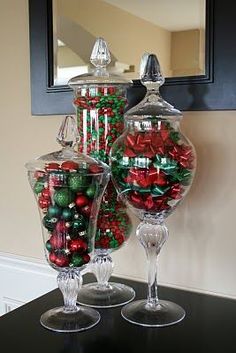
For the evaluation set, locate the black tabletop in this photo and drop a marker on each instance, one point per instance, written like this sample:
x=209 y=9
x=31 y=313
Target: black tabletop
x=209 y=327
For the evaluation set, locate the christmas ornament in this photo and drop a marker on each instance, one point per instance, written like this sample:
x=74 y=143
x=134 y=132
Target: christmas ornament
x=39 y=186
x=54 y=211
x=67 y=214
x=63 y=197
x=78 y=182
x=81 y=201
x=78 y=245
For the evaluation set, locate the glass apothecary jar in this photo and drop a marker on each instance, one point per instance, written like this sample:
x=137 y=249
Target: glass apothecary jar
x=153 y=166
x=68 y=188
x=100 y=101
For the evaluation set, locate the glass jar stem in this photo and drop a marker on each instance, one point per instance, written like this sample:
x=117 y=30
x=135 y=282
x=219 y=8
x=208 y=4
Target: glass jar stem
x=102 y=266
x=152 y=279
x=152 y=236
x=69 y=282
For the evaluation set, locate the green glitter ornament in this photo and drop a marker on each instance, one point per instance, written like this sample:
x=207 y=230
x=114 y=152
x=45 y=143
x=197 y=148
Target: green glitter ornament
x=78 y=182
x=63 y=197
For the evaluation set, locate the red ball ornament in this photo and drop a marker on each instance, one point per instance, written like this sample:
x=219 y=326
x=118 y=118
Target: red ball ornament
x=57 y=241
x=95 y=169
x=86 y=210
x=86 y=258
x=62 y=261
x=52 y=257
x=81 y=201
x=77 y=245
x=52 y=166
x=46 y=194
x=39 y=174
x=69 y=166
x=43 y=202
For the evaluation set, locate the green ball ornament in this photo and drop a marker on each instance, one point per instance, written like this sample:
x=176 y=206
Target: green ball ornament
x=54 y=211
x=63 y=197
x=49 y=222
x=78 y=182
x=90 y=192
x=77 y=260
x=67 y=214
x=38 y=187
x=48 y=246
x=79 y=224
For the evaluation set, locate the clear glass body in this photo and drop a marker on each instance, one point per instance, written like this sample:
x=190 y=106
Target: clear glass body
x=100 y=101
x=100 y=120
x=68 y=188
x=153 y=165
x=68 y=201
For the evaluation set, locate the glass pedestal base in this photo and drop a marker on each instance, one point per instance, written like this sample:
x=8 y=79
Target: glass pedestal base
x=97 y=296
x=59 y=320
x=164 y=314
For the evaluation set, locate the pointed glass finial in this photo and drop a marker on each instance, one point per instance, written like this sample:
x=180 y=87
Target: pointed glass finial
x=100 y=56
x=152 y=72
x=152 y=104
x=68 y=132
x=143 y=63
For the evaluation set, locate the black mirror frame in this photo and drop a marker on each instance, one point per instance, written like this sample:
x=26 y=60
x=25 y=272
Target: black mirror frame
x=216 y=90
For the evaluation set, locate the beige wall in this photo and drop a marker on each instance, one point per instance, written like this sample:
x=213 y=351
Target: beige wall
x=200 y=252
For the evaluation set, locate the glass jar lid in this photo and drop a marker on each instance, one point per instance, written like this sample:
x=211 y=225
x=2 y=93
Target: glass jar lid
x=67 y=159
x=100 y=58
x=152 y=105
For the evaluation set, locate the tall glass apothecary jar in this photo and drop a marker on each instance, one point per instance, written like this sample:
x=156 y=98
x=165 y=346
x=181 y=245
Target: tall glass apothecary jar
x=153 y=165
x=100 y=101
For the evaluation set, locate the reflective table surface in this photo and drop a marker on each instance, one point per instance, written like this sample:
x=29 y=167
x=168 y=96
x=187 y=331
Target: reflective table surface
x=209 y=327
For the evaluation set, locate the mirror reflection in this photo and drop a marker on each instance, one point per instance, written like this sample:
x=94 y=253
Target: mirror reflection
x=173 y=30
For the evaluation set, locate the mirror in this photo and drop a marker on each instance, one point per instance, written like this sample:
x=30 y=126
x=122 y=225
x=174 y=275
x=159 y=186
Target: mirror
x=213 y=90
x=164 y=27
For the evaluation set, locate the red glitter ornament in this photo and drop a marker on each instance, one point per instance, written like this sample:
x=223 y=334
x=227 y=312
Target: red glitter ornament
x=43 y=202
x=46 y=194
